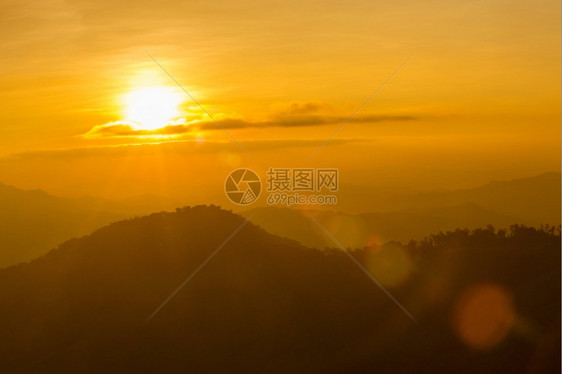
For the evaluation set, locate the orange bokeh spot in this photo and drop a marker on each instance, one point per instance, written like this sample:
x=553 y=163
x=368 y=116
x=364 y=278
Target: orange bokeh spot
x=483 y=316
x=199 y=138
x=390 y=264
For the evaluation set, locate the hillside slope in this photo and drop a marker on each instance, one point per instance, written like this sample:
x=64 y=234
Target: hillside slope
x=267 y=304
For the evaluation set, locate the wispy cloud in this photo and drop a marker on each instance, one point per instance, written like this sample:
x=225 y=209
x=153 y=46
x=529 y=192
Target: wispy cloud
x=299 y=117
x=179 y=147
x=130 y=128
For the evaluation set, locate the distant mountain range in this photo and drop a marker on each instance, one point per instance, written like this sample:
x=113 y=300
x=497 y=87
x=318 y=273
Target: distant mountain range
x=269 y=305
x=364 y=230
x=33 y=222
x=533 y=198
x=531 y=201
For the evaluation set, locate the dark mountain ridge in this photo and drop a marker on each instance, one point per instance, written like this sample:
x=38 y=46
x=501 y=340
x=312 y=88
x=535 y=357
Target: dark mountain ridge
x=33 y=222
x=268 y=304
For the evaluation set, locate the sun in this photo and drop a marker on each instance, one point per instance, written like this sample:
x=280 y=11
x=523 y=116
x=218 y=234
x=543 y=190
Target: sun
x=152 y=107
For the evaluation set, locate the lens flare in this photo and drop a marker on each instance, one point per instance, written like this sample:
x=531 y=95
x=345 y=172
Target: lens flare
x=483 y=316
x=390 y=264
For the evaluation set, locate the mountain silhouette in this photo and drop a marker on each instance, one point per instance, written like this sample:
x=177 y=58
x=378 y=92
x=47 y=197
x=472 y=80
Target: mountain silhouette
x=360 y=230
x=268 y=304
x=33 y=222
x=534 y=200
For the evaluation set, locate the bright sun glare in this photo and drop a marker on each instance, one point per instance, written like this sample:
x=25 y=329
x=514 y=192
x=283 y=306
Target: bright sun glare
x=152 y=107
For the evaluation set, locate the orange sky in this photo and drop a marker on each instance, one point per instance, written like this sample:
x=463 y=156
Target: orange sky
x=479 y=99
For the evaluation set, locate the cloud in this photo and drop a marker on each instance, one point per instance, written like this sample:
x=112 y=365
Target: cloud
x=301 y=115
x=300 y=108
x=131 y=128
x=180 y=147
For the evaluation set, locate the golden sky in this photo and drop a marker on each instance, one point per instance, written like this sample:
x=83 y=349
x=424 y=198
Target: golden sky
x=478 y=100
